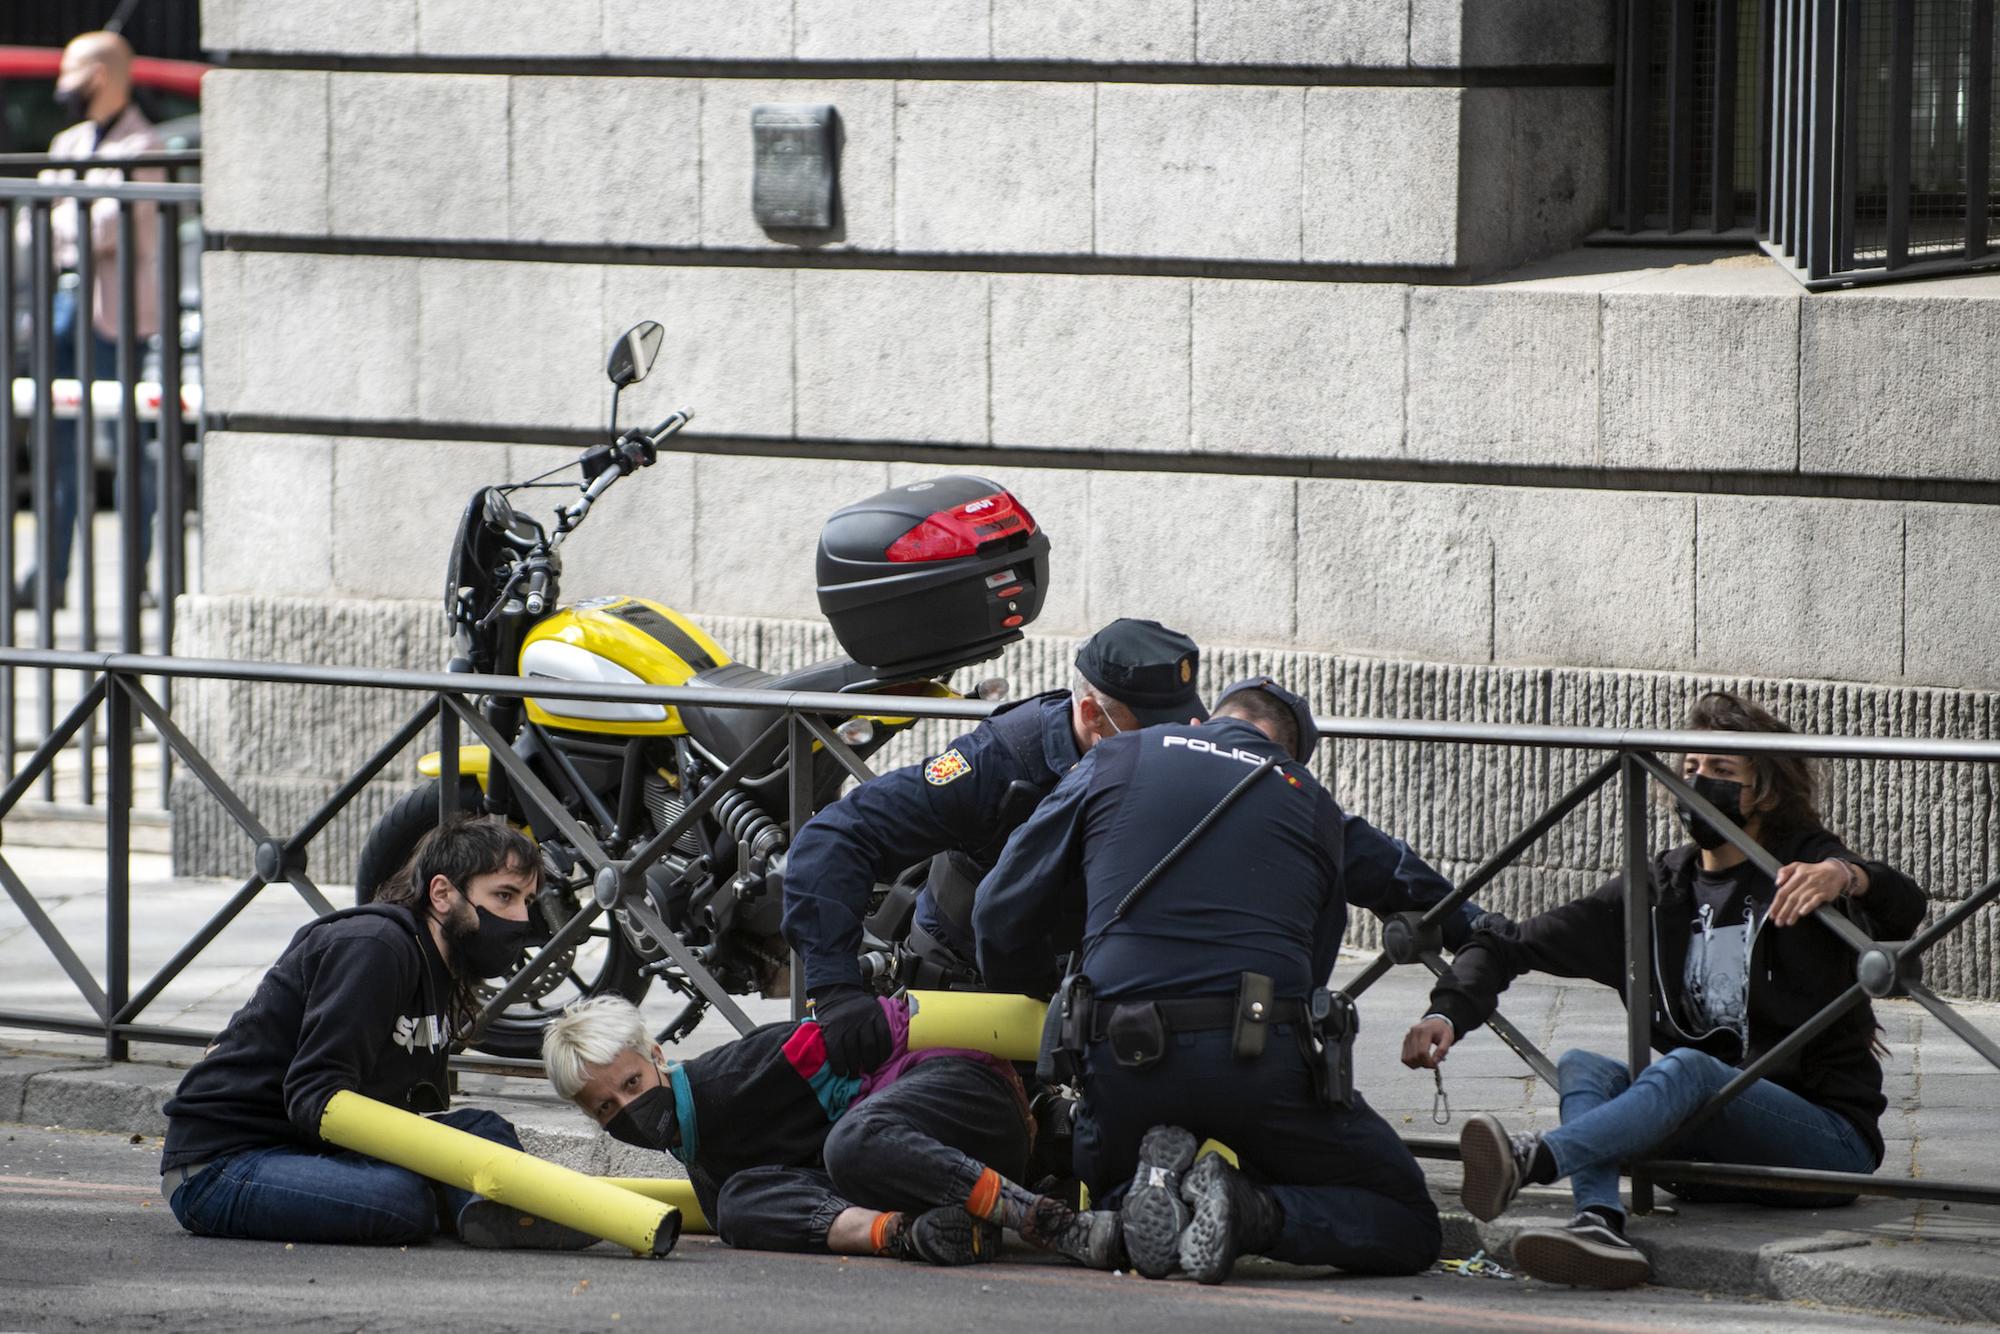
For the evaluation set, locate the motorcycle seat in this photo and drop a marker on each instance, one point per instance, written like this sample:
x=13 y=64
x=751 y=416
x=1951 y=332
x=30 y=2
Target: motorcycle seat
x=727 y=733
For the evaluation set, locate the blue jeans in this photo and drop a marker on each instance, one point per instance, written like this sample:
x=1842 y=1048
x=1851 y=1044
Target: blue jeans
x=1608 y=1118
x=291 y=1193
x=1352 y=1195
x=104 y=366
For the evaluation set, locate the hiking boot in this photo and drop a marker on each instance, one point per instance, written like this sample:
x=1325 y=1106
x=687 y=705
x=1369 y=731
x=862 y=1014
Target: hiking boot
x=489 y=1225
x=1231 y=1216
x=1496 y=1165
x=947 y=1236
x=1089 y=1237
x=1587 y=1252
x=1154 y=1215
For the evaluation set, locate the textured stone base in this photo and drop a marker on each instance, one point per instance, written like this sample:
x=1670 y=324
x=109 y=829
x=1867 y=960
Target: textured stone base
x=287 y=748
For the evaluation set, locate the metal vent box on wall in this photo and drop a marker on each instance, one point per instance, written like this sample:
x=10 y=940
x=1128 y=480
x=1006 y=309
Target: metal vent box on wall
x=793 y=181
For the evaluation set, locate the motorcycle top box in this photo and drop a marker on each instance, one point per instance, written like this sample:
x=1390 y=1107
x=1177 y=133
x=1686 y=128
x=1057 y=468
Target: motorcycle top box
x=943 y=571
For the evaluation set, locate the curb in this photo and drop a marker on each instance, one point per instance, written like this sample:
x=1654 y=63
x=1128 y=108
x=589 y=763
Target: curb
x=1743 y=1252
x=1752 y=1254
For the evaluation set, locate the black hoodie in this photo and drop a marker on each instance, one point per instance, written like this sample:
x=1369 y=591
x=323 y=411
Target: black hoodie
x=1794 y=971
x=359 y=1000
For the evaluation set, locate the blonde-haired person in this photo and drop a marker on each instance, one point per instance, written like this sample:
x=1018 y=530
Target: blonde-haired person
x=916 y=1159
x=1737 y=968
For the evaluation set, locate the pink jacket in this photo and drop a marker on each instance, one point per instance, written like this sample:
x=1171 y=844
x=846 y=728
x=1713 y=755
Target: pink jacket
x=130 y=134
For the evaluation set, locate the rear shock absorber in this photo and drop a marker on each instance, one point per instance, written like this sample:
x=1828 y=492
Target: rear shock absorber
x=747 y=824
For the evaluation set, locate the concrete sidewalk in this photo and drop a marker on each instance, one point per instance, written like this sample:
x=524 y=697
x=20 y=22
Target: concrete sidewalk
x=1886 y=1255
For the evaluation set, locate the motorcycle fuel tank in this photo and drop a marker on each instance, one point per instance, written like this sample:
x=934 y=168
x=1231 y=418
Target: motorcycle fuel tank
x=616 y=641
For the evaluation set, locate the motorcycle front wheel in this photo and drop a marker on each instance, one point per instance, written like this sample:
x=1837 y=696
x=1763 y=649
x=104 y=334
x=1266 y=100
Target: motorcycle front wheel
x=605 y=961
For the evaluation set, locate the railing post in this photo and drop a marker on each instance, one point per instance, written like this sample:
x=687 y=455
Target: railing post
x=83 y=476
x=118 y=864
x=447 y=763
x=7 y=477
x=1638 y=941
x=131 y=459
x=42 y=355
x=171 y=510
x=799 y=744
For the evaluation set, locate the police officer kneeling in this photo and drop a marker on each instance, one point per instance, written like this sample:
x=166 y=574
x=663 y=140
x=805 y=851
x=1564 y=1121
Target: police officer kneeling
x=1210 y=862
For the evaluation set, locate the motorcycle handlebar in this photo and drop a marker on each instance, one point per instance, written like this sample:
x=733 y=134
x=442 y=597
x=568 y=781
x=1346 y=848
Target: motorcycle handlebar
x=537 y=594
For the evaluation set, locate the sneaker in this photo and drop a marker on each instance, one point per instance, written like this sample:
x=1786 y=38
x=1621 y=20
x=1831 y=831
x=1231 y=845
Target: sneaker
x=489 y=1225
x=1089 y=1237
x=1231 y=1217
x=947 y=1236
x=1154 y=1215
x=1496 y=1165
x=1585 y=1253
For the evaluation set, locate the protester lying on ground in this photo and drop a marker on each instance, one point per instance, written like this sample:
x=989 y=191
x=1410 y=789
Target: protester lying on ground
x=917 y=1159
x=366 y=999
x=1737 y=967
x=1209 y=868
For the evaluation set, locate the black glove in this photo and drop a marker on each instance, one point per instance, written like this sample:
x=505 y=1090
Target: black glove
x=856 y=1031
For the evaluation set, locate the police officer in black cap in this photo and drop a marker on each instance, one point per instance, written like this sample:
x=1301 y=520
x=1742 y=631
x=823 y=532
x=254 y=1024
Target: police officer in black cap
x=1214 y=875
x=964 y=802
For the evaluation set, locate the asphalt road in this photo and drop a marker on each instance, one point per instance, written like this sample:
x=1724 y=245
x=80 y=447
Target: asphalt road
x=87 y=1244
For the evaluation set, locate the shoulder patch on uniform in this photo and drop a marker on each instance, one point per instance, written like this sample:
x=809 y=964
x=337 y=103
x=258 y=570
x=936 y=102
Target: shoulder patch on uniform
x=946 y=767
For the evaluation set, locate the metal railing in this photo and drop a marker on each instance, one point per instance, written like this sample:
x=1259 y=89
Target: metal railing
x=65 y=383
x=1852 y=138
x=117 y=685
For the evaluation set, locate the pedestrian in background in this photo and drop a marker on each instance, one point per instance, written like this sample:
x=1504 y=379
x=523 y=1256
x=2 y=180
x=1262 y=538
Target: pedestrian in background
x=94 y=87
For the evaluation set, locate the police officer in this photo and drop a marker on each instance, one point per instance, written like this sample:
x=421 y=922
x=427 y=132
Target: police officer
x=966 y=800
x=1202 y=953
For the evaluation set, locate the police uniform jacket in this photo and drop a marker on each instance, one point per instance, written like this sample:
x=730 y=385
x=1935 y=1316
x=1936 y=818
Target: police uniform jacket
x=1265 y=889
x=955 y=801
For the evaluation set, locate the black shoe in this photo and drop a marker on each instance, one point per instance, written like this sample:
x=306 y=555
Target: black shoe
x=489 y=1225
x=1089 y=1237
x=1585 y=1253
x=1496 y=1165
x=947 y=1236
x=24 y=595
x=1154 y=1215
x=1232 y=1217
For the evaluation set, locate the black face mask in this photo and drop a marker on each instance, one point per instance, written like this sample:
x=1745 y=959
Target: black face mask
x=648 y=1121
x=75 y=103
x=488 y=949
x=1725 y=795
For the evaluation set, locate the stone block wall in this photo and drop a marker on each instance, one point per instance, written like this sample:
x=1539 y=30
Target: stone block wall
x=1269 y=309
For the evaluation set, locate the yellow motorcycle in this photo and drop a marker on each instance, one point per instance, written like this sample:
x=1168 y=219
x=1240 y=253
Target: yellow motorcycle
x=918 y=582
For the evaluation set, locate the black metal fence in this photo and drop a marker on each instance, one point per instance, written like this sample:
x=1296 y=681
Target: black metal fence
x=1853 y=138
x=95 y=399
x=116 y=684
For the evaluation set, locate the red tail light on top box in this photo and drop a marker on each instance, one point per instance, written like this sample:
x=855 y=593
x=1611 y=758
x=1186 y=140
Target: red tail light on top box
x=931 y=574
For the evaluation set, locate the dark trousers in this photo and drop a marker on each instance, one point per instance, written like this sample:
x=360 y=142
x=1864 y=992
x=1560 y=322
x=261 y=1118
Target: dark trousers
x=68 y=500
x=292 y=1193
x=1353 y=1196
x=918 y=1144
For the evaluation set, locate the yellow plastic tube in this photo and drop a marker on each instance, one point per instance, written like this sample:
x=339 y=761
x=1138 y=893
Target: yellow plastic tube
x=1009 y=1027
x=677 y=1191
x=520 y=1180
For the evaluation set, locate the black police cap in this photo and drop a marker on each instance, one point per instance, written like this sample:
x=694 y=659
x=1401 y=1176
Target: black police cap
x=1148 y=668
x=1302 y=714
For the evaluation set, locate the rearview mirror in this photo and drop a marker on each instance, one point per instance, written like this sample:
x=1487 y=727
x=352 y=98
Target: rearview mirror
x=632 y=355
